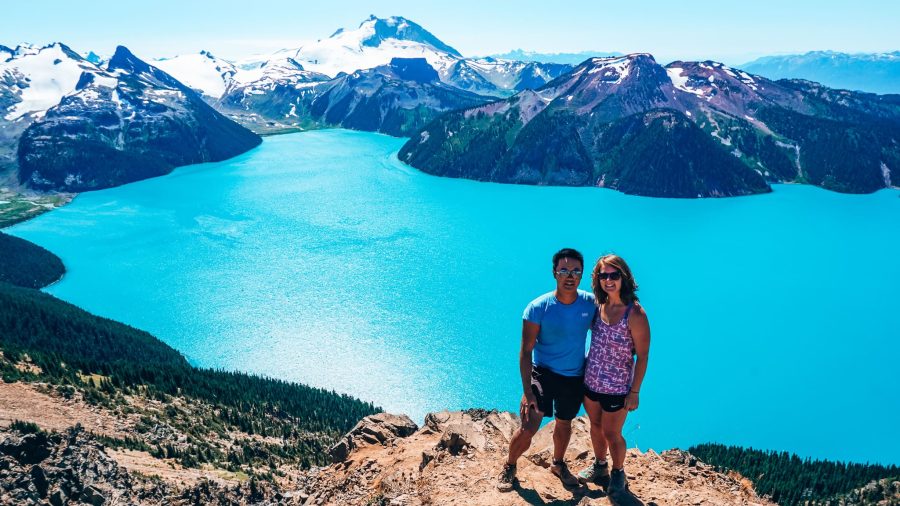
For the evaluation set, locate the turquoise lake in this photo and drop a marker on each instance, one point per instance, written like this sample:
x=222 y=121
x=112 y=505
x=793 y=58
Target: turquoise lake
x=320 y=258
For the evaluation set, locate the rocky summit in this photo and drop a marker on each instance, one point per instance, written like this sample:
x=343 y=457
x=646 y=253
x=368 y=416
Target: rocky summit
x=385 y=460
x=455 y=457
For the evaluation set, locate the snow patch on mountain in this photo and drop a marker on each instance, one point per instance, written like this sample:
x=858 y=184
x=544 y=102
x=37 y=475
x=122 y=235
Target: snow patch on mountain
x=680 y=81
x=278 y=71
x=613 y=71
x=41 y=77
x=201 y=71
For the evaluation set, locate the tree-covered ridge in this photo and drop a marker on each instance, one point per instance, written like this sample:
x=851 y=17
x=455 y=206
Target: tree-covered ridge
x=790 y=480
x=65 y=341
x=28 y=265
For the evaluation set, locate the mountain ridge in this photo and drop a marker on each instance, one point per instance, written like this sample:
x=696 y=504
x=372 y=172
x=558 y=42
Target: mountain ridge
x=592 y=127
x=123 y=123
x=868 y=72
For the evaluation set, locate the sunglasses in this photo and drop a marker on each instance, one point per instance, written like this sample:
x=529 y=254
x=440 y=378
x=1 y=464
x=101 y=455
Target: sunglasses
x=615 y=276
x=564 y=273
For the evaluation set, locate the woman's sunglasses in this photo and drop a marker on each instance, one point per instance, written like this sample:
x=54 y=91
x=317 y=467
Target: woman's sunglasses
x=615 y=276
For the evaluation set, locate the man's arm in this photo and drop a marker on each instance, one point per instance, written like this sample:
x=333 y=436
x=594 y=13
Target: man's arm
x=529 y=338
x=640 y=333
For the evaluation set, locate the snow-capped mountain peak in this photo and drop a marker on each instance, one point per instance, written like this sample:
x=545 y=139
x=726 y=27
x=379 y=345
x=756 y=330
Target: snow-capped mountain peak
x=396 y=27
x=201 y=71
x=375 y=42
x=38 y=77
x=284 y=70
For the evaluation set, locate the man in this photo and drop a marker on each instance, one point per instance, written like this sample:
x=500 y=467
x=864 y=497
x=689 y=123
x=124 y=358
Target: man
x=554 y=329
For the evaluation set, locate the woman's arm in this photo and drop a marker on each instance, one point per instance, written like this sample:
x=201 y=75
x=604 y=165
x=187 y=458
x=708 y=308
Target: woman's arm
x=640 y=333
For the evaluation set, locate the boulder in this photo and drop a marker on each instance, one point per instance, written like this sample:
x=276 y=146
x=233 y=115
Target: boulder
x=94 y=496
x=27 y=449
x=39 y=479
x=457 y=438
x=58 y=498
x=375 y=429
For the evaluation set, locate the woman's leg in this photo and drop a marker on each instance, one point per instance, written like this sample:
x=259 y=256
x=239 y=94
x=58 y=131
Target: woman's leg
x=611 y=427
x=595 y=414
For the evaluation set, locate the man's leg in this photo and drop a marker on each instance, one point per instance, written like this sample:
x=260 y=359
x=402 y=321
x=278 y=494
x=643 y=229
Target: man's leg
x=521 y=439
x=562 y=433
x=520 y=442
x=568 y=402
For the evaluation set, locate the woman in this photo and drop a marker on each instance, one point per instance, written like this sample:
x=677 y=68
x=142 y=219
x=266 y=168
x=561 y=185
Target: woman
x=612 y=377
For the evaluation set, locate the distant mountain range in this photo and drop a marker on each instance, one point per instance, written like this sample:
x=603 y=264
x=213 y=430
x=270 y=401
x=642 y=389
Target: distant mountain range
x=690 y=129
x=373 y=44
x=397 y=99
x=564 y=58
x=872 y=72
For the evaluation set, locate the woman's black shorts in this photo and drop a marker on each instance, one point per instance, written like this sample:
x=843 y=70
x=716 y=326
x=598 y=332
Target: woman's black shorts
x=555 y=390
x=609 y=402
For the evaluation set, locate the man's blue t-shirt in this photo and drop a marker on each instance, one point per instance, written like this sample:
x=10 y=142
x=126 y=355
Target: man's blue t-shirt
x=564 y=327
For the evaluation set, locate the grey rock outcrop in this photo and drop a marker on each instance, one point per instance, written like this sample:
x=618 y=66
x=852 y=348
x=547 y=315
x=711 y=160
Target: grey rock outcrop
x=65 y=469
x=376 y=429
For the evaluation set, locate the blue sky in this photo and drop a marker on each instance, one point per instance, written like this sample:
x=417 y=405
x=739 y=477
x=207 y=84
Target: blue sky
x=733 y=32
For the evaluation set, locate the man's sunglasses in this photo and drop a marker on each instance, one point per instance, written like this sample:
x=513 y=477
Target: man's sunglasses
x=615 y=276
x=564 y=273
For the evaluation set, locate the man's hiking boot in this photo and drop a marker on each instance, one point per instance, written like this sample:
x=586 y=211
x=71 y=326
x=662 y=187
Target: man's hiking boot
x=507 y=479
x=596 y=473
x=617 y=482
x=561 y=470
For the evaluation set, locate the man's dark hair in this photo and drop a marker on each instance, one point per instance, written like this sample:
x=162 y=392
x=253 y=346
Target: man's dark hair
x=567 y=253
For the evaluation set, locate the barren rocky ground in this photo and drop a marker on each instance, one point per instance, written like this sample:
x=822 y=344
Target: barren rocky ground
x=454 y=458
x=386 y=459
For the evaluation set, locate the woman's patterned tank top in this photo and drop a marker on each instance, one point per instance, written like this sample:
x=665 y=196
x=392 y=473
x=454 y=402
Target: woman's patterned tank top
x=610 y=361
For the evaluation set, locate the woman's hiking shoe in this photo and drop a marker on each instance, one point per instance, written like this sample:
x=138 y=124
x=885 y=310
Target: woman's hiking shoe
x=507 y=479
x=561 y=470
x=617 y=482
x=596 y=473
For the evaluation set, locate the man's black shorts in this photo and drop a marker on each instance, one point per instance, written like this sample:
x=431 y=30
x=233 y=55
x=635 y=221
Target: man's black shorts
x=563 y=392
x=608 y=402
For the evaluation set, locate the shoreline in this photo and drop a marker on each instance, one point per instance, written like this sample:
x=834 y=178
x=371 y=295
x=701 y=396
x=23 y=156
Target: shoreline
x=62 y=277
x=40 y=203
x=62 y=199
